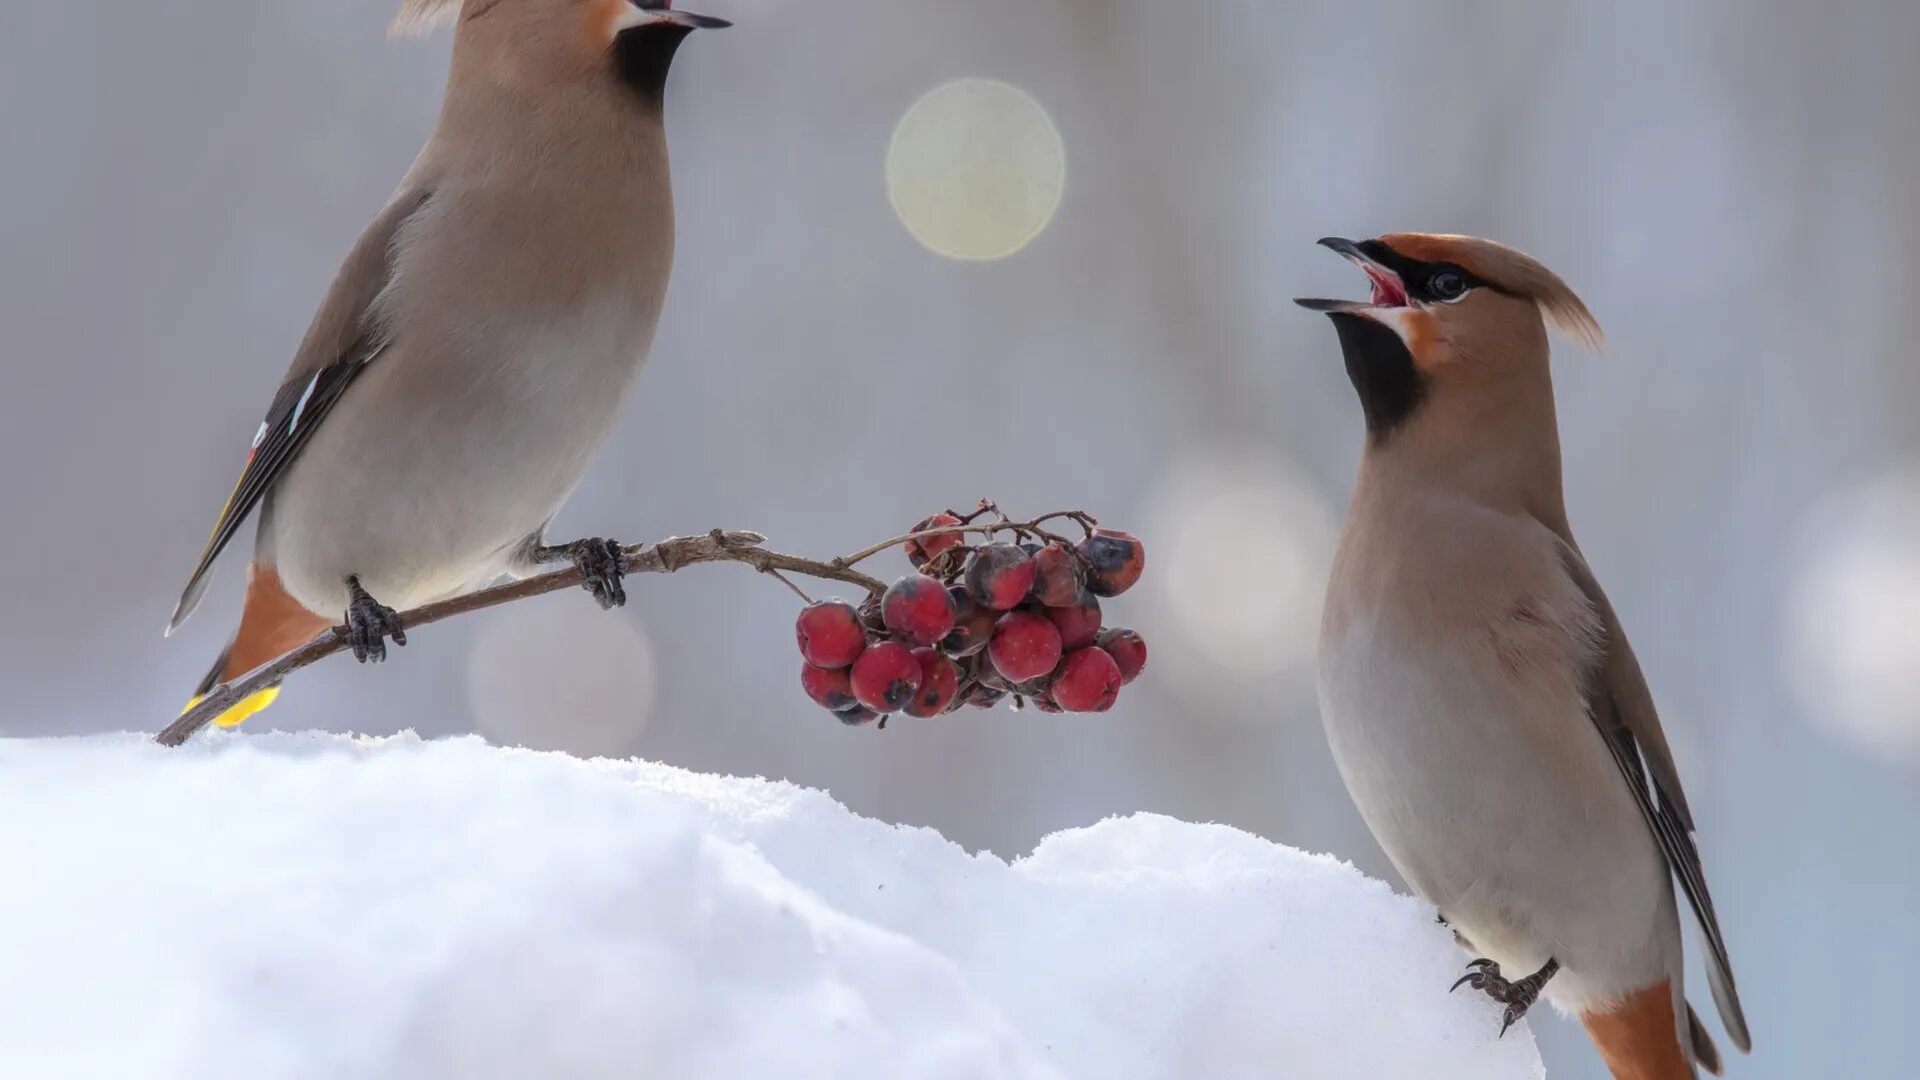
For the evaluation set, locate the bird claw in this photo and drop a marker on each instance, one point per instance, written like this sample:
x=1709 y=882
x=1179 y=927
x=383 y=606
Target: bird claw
x=601 y=567
x=369 y=625
x=602 y=570
x=1518 y=995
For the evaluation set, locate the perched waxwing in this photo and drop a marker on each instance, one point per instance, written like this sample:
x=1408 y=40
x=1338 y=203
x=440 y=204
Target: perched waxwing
x=1482 y=702
x=472 y=353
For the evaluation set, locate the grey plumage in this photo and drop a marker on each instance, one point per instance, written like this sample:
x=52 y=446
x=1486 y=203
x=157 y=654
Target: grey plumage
x=1480 y=696
x=477 y=344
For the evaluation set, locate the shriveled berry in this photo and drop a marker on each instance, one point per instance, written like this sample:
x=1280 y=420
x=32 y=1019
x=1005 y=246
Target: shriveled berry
x=857 y=715
x=830 y=633
x=1128 y=649
x=1078 y=622
x=1114 y=561
x=985 y=697
x=999 y=576
x=972 y=624
x=830 y=688
x=1044 y=703
x=1088 y=681
x=917 y=609
x=924 y=550
x=871 y=617
x=992 y=679
x=1025 y=646
x=939 y=682
x=885 y=677
x=1058 y=577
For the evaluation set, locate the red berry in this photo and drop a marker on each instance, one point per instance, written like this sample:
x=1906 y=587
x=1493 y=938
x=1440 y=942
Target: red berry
x=972 y=624
x=917 y=610
x=999 y=576
x=1078 y=623
x=1114 y=561
x=885 y=677
x=1128 y=649
x=830 y=688
x=1025 y=646
x=1058 y=577
x=830 y=633
x=856 y=715
x=939 y=682
x=1088 y=681
x=928 y=548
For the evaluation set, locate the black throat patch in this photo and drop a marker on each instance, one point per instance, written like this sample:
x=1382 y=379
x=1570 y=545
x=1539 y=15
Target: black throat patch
x=642 y=56
x=1382 y=371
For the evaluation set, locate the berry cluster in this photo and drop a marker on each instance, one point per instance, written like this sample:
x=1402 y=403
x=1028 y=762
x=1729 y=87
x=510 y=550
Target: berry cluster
x=975 y=624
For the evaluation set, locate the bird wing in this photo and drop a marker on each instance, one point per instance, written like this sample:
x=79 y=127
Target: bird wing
x=339 y=344
x=1622 y=708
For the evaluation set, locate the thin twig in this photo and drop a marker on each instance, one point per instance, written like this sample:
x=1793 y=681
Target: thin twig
x=1003 y=525
x=664 y=557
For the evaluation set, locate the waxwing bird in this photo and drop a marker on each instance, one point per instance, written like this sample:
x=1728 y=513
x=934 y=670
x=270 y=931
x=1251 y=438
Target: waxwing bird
x=1482 y=702
x=472 y=353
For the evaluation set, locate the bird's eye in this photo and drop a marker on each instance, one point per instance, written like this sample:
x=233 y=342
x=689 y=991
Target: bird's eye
x=1447 y=285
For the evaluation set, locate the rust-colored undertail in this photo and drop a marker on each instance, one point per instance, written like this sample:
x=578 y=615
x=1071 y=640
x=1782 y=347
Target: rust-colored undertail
x=271 y=623
x=1638 y=1037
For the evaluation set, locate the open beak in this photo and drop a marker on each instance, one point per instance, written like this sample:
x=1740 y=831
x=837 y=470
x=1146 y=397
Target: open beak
x=658 y=12
x=1389 y=292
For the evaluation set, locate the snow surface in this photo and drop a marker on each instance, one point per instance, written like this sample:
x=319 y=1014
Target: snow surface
x=320 y=907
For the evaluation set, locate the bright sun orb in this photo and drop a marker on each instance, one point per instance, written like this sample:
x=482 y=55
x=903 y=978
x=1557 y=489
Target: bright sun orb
x=976 y=169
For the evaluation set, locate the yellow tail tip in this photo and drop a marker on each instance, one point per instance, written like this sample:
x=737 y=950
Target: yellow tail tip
x=242 y=709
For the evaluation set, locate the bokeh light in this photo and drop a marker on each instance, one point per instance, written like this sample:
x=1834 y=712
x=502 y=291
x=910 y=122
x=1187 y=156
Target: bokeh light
x=976 y=169
x=1853 y=617
x=1239 y=567
x=560 y=674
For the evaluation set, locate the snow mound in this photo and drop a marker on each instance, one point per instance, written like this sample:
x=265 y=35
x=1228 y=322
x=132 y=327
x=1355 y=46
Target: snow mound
x=319 y=906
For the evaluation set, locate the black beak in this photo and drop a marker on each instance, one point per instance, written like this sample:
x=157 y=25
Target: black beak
x=1387 y=290
x=1343 y=246
x=663 y=10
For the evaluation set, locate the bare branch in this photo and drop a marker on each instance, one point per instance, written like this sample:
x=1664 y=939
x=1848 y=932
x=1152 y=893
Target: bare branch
x=664 y=557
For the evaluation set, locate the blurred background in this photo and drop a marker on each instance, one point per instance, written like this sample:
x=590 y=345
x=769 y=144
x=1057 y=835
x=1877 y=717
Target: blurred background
x=1063 y=281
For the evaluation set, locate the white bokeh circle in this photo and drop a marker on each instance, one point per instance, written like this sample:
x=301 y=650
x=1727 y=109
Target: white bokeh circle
x=1852 y=631
x=976 y=169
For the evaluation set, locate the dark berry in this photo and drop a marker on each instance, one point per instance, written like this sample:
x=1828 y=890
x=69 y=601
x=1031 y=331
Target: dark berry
x=1025 y=646
x=857 y=715
x=830 y=688
x=1078 y=623
x=928 y=548
x=1128 y=649
x=1088 y=681
x=1058 y=577
x=917 y=610
x=972 y=624
x=1114 y=560
x=999 y=576
x=939 y=682
x=830 y=633
x=885 y=677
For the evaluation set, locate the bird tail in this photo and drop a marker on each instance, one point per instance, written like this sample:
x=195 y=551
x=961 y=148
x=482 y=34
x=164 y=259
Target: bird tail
x=1640 y=1038
x=271 y=622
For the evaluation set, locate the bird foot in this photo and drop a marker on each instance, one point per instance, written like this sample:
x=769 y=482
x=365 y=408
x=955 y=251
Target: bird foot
x=1518 y=995
x=370 y=623
x=602 y=568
